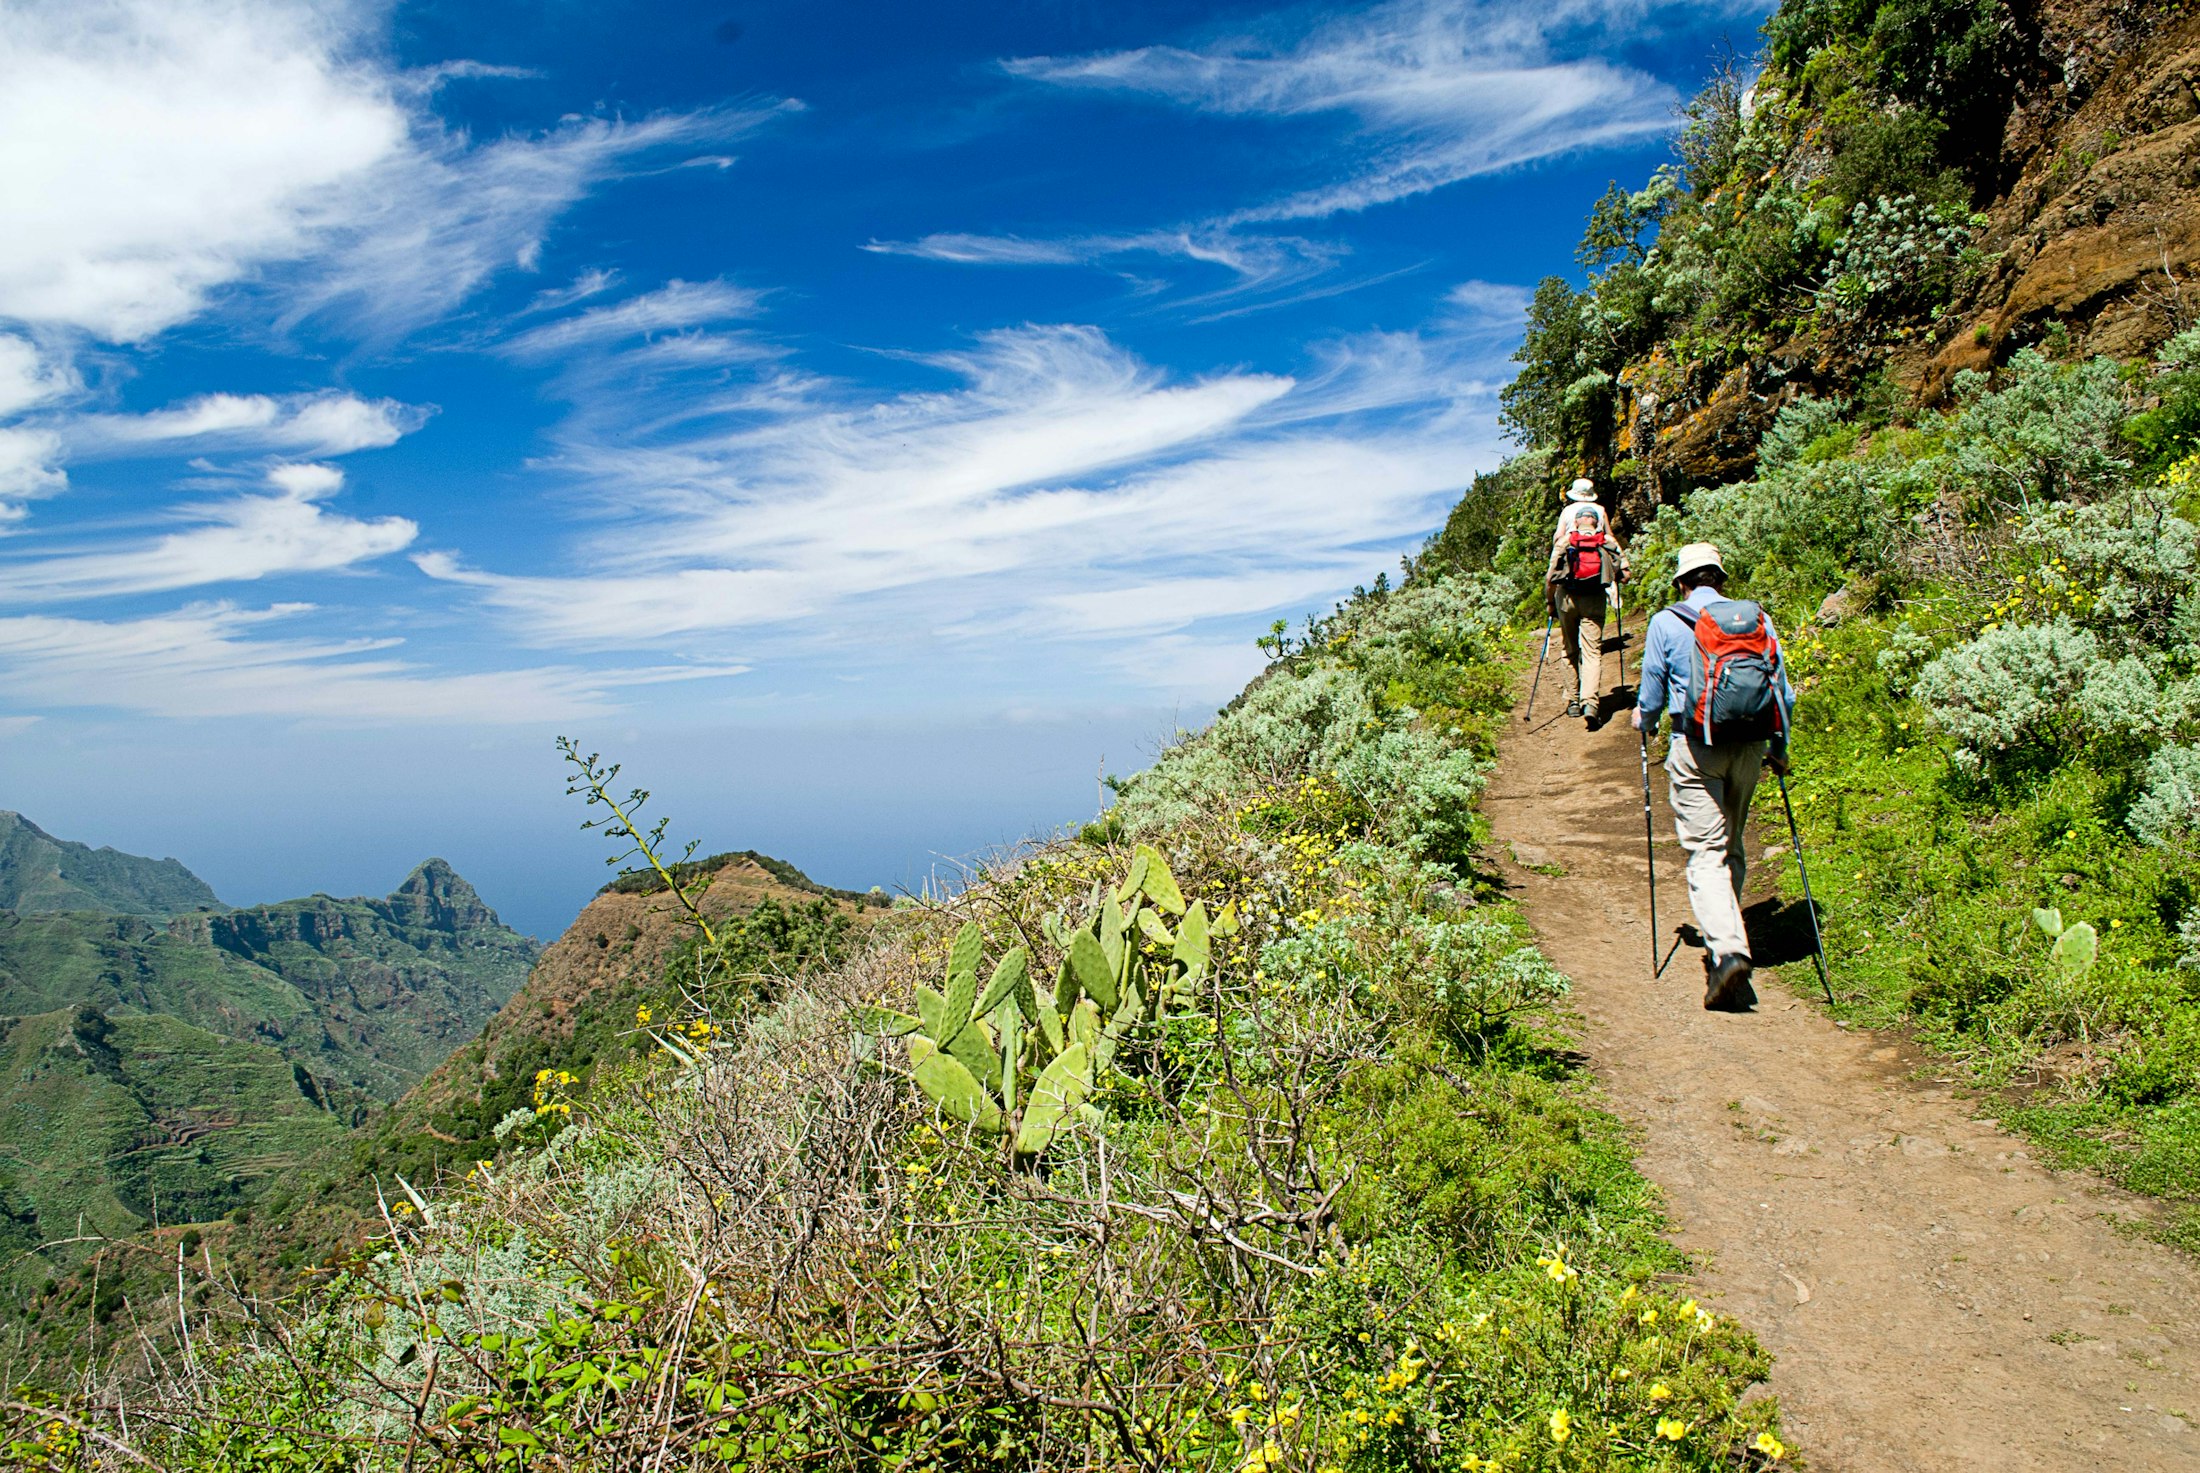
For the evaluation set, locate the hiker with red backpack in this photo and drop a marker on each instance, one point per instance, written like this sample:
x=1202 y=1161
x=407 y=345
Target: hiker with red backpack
x=1585 y=556
x=1715 y=663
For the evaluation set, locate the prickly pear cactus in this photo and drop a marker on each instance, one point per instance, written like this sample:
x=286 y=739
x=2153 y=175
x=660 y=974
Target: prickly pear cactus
x=1010 y=1059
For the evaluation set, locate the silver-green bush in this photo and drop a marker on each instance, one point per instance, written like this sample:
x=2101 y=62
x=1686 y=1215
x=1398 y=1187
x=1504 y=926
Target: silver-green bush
x=2011 y=687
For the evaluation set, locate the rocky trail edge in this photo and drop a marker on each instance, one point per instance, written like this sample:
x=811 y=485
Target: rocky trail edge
x=1935 y=1297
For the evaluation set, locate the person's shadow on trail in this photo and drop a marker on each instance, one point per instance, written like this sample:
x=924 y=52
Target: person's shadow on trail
x=1779 y=932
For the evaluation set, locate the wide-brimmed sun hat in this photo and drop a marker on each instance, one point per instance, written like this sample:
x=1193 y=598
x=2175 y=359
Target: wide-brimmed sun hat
x=1582 y=490
x=1695 y=557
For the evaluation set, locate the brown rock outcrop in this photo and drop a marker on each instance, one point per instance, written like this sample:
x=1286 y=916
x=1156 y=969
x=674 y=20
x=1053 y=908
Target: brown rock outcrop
x=2101 y=231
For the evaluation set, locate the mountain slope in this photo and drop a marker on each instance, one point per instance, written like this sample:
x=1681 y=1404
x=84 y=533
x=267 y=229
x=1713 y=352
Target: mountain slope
x=176 y=1070
x=1908 y=190
x=39 y=872
x=579 y=1003
x=1909 y=333
x=370 y=994
x=113 y=1121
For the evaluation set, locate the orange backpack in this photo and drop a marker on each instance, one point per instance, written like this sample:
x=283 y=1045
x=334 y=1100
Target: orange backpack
x=1734 y=673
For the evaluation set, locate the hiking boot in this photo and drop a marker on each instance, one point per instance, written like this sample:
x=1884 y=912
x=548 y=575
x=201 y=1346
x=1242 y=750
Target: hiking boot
x=1726 y=984
x=1573 y=708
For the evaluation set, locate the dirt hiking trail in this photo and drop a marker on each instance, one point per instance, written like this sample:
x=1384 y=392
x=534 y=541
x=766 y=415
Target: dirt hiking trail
x=1936 y=1299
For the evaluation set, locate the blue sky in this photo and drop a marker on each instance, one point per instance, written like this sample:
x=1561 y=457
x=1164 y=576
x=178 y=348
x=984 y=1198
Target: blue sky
x=867 y=420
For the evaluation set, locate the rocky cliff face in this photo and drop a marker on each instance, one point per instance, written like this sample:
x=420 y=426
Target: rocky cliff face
x=2101 y=231
x=433 y=897
x=2091 y=233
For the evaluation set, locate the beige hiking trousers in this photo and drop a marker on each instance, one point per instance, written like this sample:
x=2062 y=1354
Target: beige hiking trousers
x=1581 y=620
x=1710 y=788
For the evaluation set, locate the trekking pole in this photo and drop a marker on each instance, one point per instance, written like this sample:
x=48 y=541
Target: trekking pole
x=1619 y=617
x=1650 y=851
x=1539 y=659
x=1818 y=944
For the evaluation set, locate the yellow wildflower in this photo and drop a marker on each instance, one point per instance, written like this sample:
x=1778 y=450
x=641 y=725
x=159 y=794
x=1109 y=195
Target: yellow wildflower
x=1672 y=1429
x=1562 y=1425
x=1659 y=1391
x=1772 y=1447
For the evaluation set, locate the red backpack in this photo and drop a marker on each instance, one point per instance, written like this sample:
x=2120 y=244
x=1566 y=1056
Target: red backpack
x=1734 y=673
x=1582 y=562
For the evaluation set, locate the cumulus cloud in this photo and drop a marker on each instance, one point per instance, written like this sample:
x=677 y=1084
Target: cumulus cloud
x=154 y=152
x=240 y=539
x=218 y=660
x=290 y=424
x=1433 y=93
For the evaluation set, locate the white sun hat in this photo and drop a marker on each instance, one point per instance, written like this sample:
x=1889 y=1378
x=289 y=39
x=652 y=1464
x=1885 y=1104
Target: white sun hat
x=1696 y=556
x=1582 y=490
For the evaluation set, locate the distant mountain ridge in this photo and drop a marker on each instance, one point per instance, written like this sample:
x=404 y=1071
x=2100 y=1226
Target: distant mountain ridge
x=366 y=994
x=39 y=872
x=168 y=1059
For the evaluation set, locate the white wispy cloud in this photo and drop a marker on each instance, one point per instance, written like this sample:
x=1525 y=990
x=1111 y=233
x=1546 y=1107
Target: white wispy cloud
x=1496 y=304
x=1256 y=260
x=238 y=539
x=1006 y=250
x=589 y=283
x=30 y=467
x=219 y=661
x=330 y=423
x=677 y=306
x=1063 y=490
x=29 y=378
x=1433 y=92
x=428 y=228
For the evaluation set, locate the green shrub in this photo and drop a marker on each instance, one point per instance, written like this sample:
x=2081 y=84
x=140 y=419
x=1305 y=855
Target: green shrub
x=2170 y=431
x=2044 y=432
x=2168 y=812
x=2010 y=688
x=2126 y=562
x=1808 y=426
x=1899 y=260
x=1806 y=524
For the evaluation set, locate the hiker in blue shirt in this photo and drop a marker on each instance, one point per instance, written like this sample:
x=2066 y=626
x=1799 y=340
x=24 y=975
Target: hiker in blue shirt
x=1712 y=772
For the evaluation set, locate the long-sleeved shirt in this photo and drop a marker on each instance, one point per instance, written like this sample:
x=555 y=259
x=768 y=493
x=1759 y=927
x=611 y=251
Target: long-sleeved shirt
x=1666 y=657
